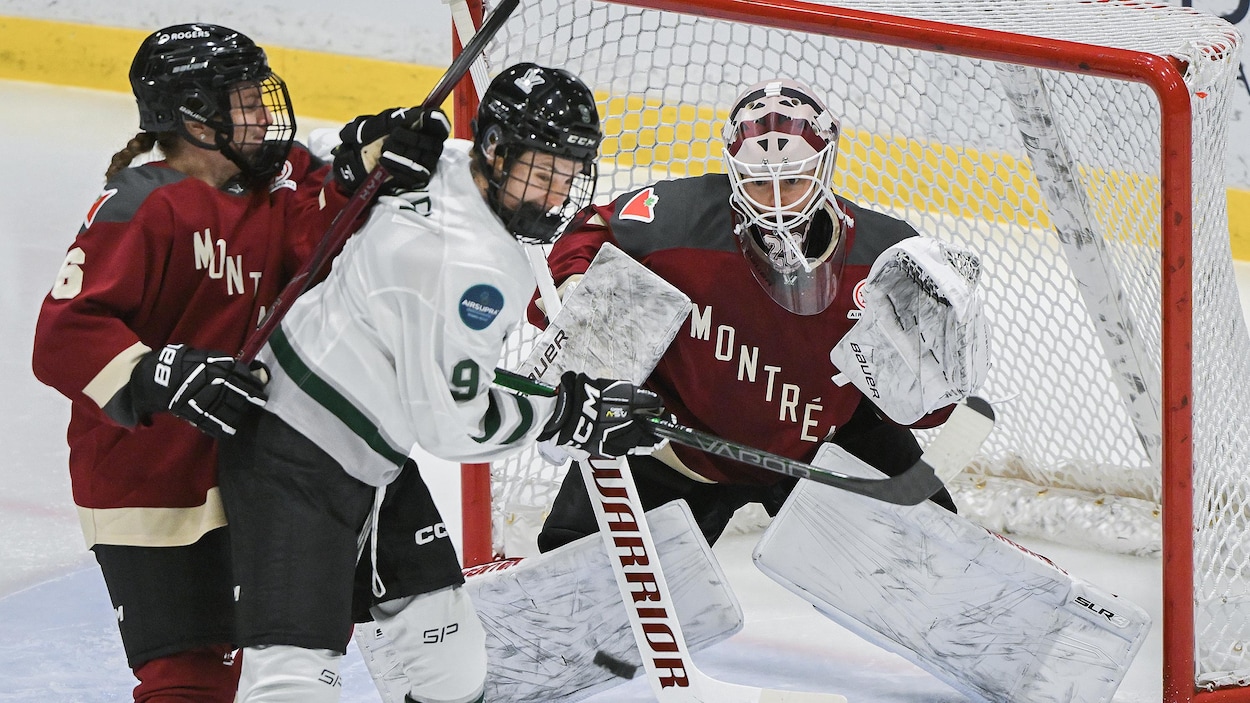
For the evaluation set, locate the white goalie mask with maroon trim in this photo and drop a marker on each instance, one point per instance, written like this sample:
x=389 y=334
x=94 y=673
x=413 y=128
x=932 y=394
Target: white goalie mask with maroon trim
x=781 y=144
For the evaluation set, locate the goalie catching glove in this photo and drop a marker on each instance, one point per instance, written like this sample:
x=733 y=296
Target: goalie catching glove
x=602 y=417
x=405 y=141
x=922 y=343
x=210 y=390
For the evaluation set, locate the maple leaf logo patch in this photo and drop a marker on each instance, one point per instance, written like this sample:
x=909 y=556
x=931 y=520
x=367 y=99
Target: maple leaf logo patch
x=641 y=207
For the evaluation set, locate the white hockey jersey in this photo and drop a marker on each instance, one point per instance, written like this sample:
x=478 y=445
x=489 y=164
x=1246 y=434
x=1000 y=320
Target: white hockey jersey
x=399 y=344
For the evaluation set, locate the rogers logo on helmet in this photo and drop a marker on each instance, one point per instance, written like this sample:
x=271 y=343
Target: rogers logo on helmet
x=192 y=34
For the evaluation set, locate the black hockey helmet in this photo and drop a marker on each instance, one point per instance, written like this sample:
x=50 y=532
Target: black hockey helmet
x=192 y=71
x=532 y=108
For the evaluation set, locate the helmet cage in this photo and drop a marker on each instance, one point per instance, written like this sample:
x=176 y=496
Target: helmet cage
x=532 y=109
x=781 y=223
x=527 y=220
x=259 y=157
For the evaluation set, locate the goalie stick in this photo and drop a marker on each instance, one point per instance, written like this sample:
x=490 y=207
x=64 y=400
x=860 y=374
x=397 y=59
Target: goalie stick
x=344 y=223
x=673 y=676
x=911 y=487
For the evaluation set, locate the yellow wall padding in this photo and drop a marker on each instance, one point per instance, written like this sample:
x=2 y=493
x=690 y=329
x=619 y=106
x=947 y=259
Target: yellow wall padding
x=338 y=87
x=327 y=86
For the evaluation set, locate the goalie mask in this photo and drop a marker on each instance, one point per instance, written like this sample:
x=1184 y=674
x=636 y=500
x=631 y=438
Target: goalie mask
x=780 y=147
x=536 y=138
x=218 y=77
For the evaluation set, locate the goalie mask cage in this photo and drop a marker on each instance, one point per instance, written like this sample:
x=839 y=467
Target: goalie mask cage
x=1078 y=146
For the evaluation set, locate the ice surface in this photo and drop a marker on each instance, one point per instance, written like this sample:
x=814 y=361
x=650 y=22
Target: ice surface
x=58 y=638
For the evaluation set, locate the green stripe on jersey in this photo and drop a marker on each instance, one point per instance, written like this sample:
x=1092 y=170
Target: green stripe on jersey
x=527 y=419
x=490 y=422
x=494 y=420
x=330 y=399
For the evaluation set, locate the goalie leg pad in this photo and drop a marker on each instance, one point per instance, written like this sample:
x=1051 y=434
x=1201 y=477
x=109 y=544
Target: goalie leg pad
x=557 y=630
x=988 y=617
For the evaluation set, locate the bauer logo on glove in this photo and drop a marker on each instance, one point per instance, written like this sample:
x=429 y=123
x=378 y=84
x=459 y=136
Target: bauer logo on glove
x=211 y=390
x=922 y=343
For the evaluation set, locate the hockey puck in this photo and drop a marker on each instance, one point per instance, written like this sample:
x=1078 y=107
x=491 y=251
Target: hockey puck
x=618 y=667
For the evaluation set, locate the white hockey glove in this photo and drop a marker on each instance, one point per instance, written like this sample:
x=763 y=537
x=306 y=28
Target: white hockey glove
x=923 y=342
x=407 y=141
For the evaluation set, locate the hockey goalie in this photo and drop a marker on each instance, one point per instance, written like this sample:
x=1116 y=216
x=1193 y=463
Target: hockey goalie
x=993 y=620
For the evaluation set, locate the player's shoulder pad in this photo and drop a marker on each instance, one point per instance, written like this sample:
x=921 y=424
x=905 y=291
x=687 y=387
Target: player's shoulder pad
x=874 y=233
x=127 y=190
x=686 y=212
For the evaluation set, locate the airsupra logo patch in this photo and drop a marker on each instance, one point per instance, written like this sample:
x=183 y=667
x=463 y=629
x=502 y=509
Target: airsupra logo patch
x=641 y=207
x=480 y=305
x=857 y=297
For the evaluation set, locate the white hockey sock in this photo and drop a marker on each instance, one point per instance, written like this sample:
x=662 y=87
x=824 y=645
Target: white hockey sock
x=286 y=674
x=441 y=643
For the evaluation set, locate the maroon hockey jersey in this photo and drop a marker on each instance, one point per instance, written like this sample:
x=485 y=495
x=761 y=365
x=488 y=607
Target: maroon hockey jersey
x=742 y=367
x=165 y=258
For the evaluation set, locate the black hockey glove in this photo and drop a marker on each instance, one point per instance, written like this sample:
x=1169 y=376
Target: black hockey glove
x=208 y=389
x=603 y=417
x=405 y=141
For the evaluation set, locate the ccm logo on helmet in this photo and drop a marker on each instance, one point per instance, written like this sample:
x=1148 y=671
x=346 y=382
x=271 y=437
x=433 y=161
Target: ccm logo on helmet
x=578 y=140
x=192 y=34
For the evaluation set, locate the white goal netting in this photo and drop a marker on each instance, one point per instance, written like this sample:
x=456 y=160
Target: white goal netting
x=1056 y=176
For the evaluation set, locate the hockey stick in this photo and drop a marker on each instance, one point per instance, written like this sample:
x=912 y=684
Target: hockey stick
x=344 y=223
x=673 y=676
x=912 y=486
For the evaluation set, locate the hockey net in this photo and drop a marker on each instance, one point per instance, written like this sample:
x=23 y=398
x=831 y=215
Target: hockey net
x=1054 y=137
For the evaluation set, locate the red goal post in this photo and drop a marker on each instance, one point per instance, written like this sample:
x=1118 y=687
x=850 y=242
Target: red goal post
x=1077 y=144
